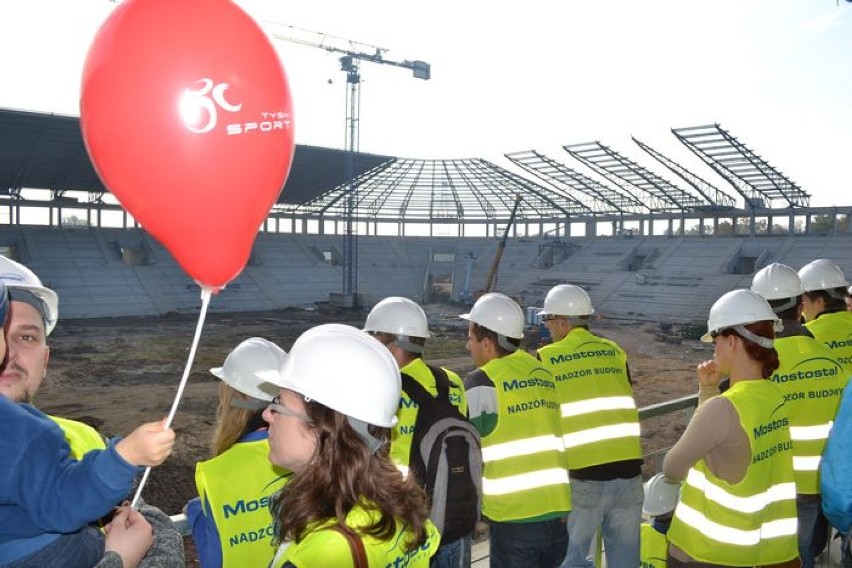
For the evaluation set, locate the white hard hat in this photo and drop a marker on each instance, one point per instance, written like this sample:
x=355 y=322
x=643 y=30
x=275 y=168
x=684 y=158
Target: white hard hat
x=777 y=282
x=499 y=313
x=253 y=355
x=16 y=276
x=822 y=274
x=344 y=369
x=736 y=309
x=399 y=316
x=661 y=496
x=567 y=300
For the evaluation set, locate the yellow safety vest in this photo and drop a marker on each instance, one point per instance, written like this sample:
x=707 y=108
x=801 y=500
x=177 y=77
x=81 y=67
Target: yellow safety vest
x=403 y=433
x=812 y=382
x=653 y=551
x=835 y=330
x=324 y=547
x=600 y=422
x=237 y=485
x=81 y=437
x=524 y=474
x=753 y=522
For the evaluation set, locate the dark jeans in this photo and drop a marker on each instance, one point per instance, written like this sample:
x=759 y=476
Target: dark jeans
x=454 y=554
x=531 y=545
x=82 y=549
x=813 y=529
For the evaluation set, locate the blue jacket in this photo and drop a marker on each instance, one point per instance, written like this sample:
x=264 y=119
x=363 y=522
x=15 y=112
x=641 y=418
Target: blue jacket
x=43 y=491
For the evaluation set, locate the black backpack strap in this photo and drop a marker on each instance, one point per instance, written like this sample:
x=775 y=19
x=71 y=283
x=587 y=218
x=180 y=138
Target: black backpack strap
x=442 y=382
x=415 y=390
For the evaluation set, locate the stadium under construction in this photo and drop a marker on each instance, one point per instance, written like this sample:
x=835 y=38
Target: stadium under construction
x=645 y=247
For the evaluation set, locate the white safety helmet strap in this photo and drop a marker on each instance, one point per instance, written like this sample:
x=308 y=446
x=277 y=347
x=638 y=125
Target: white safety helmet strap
x=405 y=343
x=249 y=404
x=362 y=429
x=577 y=321
x=790 y=303
x=507 y=345
x=834 y=293
x=753 y=337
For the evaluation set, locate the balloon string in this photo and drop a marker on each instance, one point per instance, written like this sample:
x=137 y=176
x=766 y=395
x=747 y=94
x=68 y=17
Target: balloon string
x=205 y=302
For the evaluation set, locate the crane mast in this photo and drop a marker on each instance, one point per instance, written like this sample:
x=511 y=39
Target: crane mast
x=491 y=281
x=352 y=53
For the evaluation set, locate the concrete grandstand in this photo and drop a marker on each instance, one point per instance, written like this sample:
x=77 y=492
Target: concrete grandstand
x=644 y=247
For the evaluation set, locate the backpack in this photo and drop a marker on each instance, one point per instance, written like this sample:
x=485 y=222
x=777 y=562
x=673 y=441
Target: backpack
x=836 y=468
x=446 y=458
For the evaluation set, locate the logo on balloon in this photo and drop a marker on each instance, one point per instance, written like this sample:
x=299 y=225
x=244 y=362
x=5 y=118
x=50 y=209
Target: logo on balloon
x=202 y=103
x=269 y=122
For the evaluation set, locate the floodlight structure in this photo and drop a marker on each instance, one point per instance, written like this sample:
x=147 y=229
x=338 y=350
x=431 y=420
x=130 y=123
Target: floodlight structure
x=662 y=195
x=353 y=53
x=750 y=175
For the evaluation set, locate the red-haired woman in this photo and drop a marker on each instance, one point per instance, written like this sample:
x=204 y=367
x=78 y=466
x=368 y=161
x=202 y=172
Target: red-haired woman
x=738 y=505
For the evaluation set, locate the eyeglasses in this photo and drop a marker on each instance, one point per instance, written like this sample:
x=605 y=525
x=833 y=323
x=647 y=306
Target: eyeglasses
x=276 y=407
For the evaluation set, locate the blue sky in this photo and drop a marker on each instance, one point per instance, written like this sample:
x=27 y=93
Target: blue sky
x=533 y=75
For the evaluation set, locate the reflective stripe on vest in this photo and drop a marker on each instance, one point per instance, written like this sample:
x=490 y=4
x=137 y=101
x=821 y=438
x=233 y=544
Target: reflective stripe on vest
x=818 y=432
x=749 y=504
x=524 y=474
x=600 y=423
x=326 y=547
x=523 y=447
x=812 y=381
x=729 y=535
x=524 y=481
x=81 y=437
x=403 y=433
x=238 y=485
x=653 y=548
x=597 y=405
x=752 y=522
x=600 y=433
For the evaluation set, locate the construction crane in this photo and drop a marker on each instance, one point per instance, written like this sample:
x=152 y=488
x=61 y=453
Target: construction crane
x=498 y=256
x=352 y=54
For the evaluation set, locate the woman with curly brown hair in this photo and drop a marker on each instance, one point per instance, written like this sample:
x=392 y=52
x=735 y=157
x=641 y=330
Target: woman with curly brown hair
x=346 y=503
x=738 y=504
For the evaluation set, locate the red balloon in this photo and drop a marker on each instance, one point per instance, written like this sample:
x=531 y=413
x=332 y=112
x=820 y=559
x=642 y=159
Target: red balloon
x=187 y=115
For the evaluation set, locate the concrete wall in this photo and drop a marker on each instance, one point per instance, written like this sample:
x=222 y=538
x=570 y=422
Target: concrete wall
x=116 y=272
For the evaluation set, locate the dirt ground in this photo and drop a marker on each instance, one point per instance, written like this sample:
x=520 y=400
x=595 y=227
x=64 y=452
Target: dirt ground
x=118 y=373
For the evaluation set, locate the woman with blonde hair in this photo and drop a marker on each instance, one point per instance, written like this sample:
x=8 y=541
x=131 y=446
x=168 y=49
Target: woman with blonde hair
x=738 y=504
x=230 y=520
x=346 y=503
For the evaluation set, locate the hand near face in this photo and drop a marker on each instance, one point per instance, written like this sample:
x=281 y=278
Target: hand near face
x=708 y=374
